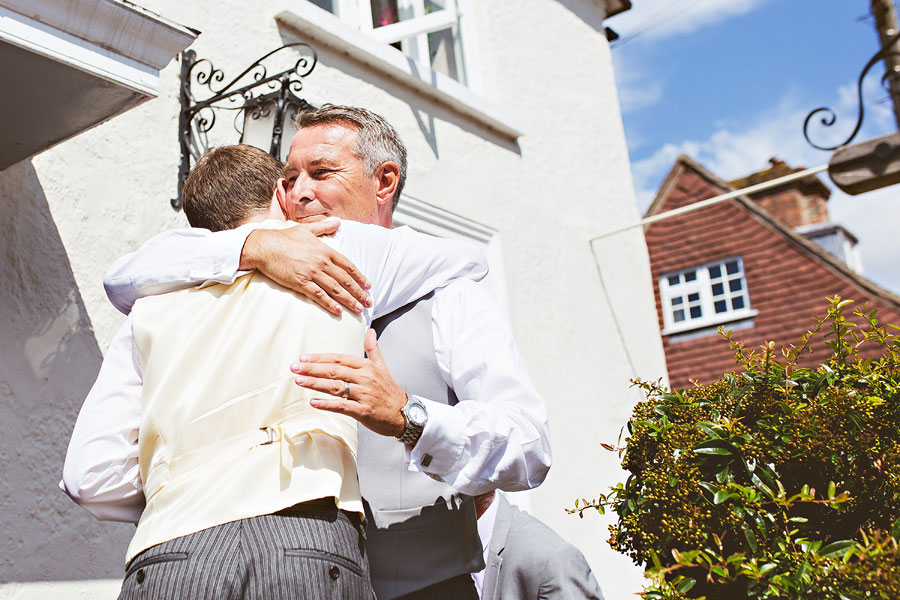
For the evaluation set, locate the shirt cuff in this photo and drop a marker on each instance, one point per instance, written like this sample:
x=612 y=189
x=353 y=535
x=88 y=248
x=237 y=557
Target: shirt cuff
x=224 y=249
x=442 y=441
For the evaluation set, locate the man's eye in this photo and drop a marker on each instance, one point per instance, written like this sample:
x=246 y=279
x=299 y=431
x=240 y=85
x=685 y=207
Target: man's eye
x=292 y=179
x=321 y=172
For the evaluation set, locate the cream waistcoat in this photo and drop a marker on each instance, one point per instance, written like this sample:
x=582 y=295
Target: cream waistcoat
x=217 y=388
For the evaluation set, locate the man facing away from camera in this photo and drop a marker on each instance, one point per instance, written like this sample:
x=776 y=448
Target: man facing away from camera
x=241 y=488
x=453 y=413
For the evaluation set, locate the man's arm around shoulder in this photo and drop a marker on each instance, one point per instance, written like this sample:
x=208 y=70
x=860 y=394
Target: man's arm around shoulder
x=293 y=257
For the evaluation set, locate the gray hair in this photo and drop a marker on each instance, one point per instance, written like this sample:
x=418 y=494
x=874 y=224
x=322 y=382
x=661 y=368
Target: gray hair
x=377 y=142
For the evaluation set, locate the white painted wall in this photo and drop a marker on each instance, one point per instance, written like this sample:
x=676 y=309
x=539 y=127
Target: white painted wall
x=564 y=181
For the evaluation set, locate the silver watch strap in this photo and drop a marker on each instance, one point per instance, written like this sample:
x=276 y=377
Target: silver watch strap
x=412 y=432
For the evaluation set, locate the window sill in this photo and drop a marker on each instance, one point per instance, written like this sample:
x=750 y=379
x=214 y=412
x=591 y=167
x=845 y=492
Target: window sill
x=323 y=28
x=712 y=321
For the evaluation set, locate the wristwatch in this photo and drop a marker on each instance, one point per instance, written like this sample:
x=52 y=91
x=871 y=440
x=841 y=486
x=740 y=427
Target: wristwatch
x=416 y=416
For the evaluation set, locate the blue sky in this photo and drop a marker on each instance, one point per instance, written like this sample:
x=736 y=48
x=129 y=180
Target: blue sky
x=729 y=82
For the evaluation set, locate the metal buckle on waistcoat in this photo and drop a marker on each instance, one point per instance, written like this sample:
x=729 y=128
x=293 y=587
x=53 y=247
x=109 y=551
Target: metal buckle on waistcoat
x=270 y=431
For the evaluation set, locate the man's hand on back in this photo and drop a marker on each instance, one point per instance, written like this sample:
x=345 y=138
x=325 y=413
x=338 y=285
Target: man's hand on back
x=375 y=398
x=297 y=259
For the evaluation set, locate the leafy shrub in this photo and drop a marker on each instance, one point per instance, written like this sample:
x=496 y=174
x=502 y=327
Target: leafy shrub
x=773 y=482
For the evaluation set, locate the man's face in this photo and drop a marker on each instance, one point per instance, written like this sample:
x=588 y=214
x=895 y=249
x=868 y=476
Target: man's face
x=324 y=177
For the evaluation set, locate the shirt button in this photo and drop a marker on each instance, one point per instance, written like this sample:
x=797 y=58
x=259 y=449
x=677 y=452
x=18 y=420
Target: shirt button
x=334 y=572
x=141 y=576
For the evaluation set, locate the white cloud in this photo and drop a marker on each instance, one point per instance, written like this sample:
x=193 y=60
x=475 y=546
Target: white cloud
x=637 y=88
x=640 y=83
x=738 y=149
x=662 y=18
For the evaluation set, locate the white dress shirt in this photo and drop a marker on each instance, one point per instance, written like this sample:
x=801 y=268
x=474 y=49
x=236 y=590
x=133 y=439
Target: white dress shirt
x=501 y=440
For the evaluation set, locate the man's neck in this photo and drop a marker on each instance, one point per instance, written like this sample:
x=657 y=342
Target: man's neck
x=385 y=217
x=267 y=215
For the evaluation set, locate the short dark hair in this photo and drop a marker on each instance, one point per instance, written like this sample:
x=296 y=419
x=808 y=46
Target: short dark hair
x=228 y=185
x=377 y=142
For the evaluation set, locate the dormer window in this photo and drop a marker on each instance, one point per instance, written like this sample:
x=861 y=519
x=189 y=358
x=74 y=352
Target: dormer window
x=705 y=295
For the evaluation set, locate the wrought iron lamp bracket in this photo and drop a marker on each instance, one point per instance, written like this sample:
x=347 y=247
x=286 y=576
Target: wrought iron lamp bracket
x=203 y=93
x=829 y=117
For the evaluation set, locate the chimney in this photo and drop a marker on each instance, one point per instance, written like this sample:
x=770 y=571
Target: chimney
x=797 y=204
x=802 y=205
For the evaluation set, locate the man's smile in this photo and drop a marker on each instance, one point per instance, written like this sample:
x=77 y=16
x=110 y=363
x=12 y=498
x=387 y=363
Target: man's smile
x=312 y=218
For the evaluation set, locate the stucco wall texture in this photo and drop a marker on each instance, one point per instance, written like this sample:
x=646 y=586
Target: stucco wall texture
x=73 y=209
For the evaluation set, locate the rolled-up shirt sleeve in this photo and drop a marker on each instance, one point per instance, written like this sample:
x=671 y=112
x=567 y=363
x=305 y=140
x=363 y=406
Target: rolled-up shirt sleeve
x=402 y=264
x=101 y=470
x=497 y=436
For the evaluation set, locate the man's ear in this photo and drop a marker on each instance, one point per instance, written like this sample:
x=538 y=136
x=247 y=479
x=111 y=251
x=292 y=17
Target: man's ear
x=387 y=177
x=280 y=196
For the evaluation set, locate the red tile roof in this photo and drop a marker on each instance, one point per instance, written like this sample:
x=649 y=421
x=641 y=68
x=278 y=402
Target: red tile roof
x=788 y=277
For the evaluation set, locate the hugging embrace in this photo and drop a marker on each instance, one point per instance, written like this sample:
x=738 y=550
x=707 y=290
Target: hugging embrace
x=225 y=420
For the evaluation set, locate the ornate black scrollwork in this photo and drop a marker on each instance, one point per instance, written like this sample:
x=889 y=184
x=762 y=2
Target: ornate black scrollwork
x=828 y=116
x=204 y=92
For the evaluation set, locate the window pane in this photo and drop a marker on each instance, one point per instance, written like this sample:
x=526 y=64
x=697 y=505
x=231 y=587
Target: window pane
x=694 y=297
x=715 y=271
x=677 y=301
x=384 y=12
x=734 y=285
x=718 y=289
x=690 y=275
x=737 y=303
x=696 y=312
x=731 y=267
x=678 y=315
x=674 y=279
x=433 y=5
x=442 y=53
x=721 y=306
x=326 y=4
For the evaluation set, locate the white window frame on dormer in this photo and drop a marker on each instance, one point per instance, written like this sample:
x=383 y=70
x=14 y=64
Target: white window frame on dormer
x=694 y=289
x=413 y=29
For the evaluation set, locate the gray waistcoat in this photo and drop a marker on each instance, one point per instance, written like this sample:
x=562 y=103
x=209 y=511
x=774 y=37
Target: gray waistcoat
x=420 y=531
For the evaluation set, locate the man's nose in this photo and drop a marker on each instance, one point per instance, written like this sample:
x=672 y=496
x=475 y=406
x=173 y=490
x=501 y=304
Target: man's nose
x=303 y=190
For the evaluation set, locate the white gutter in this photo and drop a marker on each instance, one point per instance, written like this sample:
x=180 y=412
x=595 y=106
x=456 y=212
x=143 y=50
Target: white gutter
x=120 y=27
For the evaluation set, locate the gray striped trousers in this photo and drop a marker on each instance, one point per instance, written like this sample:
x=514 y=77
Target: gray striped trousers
x=311 y=550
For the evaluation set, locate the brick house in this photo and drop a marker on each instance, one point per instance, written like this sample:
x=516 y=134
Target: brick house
x=761 y=266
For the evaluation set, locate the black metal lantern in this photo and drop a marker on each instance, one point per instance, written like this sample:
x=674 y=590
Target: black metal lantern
x=265 y=105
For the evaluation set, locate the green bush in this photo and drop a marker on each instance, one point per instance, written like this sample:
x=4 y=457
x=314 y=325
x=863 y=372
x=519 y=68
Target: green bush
x=773 y=482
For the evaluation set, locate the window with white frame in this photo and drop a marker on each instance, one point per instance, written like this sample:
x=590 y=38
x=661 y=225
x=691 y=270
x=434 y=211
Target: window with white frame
x=427 y=31
x=705 y=295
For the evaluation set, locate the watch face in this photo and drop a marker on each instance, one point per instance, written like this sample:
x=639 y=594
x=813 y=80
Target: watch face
x=416 y=414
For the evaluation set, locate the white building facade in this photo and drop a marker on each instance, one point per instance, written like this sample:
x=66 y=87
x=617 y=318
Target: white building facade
x=509 y=111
